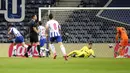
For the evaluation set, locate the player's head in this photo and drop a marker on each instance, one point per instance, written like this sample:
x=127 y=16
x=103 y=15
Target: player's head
x=50 y=16
x=10 y=25
x=34 y=17
x=39 y=23
x=117 y=27
x=90 y=45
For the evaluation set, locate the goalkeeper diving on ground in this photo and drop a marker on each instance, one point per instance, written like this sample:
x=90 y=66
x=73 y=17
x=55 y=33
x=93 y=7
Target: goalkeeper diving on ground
x=86 y=51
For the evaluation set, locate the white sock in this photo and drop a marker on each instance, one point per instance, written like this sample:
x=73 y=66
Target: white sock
x=53 y=48
x=14 y=50
x=63 y=50
x=46 y=49
x=42 y=52
x=42 y=48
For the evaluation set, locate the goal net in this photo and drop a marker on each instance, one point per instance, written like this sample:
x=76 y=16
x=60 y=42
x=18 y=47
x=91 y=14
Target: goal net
x=82 y=25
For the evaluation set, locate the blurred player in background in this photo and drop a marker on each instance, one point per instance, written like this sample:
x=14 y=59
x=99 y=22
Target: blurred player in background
x=33 y=35
x=122 y=33
x=18 y=38
x=86 y=51
x=42 y=37
x=53 y=28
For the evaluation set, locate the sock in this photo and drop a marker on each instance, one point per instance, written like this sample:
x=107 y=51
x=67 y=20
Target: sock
x=38 y=48
x=42 y=48
x=42 y=52
x=53 y=48
x=63 y=50
x=29 y=48
x=14 y=50
x=122 y=52
x=46 y=49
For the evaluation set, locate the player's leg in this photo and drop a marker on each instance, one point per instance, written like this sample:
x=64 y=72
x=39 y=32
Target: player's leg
x=14 y=53
x=121 y=51
x=59 y=40
x=35 y=39
x=124 y=46
x=21 y=40
x=24 y=45
x=17 y=40
x=86 y=55
x=81 y=54
x=53 y=47
x=42 y=49
x=73 y=52
x=38 y=48
x=62 y=48
x=30 y=46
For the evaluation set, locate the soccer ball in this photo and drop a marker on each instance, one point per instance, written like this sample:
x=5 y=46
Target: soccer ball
x=110 y=46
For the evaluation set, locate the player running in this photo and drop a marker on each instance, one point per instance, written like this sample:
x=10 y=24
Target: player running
x=122 y=33
x=42 y=37
x=18 y=39
x=86 y=51
x=53 y=28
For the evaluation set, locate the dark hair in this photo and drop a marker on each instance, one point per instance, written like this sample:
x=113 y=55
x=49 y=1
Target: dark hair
x=10 y=25
x=33 y=15
x=40 y=23
x=50 y=16
x=90 y=43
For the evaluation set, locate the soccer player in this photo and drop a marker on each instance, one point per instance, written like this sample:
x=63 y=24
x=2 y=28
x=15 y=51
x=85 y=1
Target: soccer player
x=33 y=35
x=53 y=28
x=42 y=37
x=18 y=38
x=122 y=33
x=86 y=51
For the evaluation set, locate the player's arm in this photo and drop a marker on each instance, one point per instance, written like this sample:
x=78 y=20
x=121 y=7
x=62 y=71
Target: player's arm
x=124 y=30
x=9 y=34
x=35 y=28
x=117 y=35
x=92 y=54
x=82 y=49
x=59 y=27
x=47 y=30
x=9 y=31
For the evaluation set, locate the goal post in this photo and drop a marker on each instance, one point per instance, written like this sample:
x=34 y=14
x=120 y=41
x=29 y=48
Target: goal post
x=83 y=24
x=79 y=8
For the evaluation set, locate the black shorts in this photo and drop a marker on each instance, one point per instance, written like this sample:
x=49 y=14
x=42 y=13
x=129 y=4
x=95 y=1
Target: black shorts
x=33 y=38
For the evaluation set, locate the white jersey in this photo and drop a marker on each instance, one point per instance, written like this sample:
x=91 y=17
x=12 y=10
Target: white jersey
x=53 y=28
x=15 y=32
x=42 y=31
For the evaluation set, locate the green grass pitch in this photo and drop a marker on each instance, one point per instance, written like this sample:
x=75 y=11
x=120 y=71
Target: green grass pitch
x=59 y=65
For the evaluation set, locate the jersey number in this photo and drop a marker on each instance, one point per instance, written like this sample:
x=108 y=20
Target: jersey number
x=54 y=25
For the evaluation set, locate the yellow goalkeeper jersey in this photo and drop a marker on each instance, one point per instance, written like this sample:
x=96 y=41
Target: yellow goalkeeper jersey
x=88 y=51
x=84 y=48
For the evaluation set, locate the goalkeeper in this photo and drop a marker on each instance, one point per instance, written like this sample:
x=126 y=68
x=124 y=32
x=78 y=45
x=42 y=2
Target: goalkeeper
x=86 y=51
